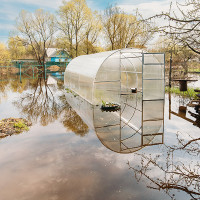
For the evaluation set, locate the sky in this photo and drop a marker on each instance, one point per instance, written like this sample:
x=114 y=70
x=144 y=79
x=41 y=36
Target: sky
x=9 y=9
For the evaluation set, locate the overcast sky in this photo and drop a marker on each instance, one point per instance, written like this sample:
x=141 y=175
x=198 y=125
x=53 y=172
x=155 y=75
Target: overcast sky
x=10 y=9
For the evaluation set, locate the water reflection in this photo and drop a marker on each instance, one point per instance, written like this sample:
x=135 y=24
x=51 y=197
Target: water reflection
x=51 y=153
x=45 y=102
x=39 y=102
x=121 y=131
x=125 y=131
x=168 y=173
x=184 y=108
x=174 y=167
x=73 y=121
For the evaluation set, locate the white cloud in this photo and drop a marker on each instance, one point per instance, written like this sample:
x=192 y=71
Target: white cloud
x=150 y=8
x=146 y=9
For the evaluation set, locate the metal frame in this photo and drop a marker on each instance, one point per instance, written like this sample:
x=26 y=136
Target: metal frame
x=144 y=100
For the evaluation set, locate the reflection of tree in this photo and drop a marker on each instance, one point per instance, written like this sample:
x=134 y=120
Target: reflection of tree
x=3 y=85
x=42 y=102
x=74 y=122
x=12 y=83
x=172 y=174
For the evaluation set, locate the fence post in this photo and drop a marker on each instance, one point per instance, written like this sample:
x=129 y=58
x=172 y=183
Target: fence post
x=20 y=71
x=45 y=71
x=33 y=71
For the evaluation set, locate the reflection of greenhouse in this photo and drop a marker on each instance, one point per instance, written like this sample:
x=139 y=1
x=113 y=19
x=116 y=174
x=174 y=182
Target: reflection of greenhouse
x=129 y=77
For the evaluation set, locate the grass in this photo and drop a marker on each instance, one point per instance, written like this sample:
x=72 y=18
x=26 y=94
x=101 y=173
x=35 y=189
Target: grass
x=194 y=70
x=21 y=126
x=189 y=93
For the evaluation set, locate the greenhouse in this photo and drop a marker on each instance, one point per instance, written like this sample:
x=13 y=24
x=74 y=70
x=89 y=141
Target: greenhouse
x=129 y=77
x=108 y=75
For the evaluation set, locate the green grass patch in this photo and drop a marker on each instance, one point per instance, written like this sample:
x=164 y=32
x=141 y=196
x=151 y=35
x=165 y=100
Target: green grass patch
x=189 y=93
x=21 y=126
x=194 y=70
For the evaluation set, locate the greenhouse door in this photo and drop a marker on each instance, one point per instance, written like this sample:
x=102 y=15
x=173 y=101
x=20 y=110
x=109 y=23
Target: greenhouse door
x=153 y=84
x=131 y=101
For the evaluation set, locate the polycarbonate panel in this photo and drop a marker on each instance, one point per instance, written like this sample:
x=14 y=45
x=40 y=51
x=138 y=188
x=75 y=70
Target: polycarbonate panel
x=152 y=127
x=134 y=100
x=153 y=71
x=153 y=110
x=107 y=92
x=81 y=72
x=160 y=57
x=74 y=82
x=128 y=81
x=139 y=88
x=110 y=137
x=124 y=80
x=110 y=69
x=109 y=75
x=151 y=58
x=85 y=88
x=67 y=80
x=132 y=118
x=103 y=118
x=153 y=89
x=131 y=61
x=132 y=142
x=88 y=65
x=154 y=139
x=127 y=131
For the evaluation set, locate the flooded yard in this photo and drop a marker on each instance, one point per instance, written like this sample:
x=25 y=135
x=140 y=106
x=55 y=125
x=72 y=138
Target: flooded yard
x=64 y=155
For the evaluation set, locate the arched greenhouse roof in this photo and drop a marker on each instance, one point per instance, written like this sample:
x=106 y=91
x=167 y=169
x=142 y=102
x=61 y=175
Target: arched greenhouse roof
x=89 y=65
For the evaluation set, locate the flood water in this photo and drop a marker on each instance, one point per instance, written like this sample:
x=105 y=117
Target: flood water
x=63 y=157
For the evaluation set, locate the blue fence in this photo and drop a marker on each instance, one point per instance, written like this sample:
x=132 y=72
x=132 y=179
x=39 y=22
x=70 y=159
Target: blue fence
x=31 y=70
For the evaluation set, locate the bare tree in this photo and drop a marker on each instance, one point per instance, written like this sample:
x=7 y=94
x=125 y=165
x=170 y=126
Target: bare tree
x=183 y=23
x=36 y=30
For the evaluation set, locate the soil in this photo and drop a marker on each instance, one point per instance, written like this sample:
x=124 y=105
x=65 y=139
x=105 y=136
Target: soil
x=12 y=126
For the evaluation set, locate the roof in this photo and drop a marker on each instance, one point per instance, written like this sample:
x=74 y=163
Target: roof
x=89 y=65
x=54 y=52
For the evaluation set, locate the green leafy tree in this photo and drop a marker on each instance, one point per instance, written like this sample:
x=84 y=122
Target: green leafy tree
x=125 y=30
x=74 y=16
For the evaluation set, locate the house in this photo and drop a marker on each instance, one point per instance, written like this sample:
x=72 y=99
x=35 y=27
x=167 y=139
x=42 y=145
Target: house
x=57 y=55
